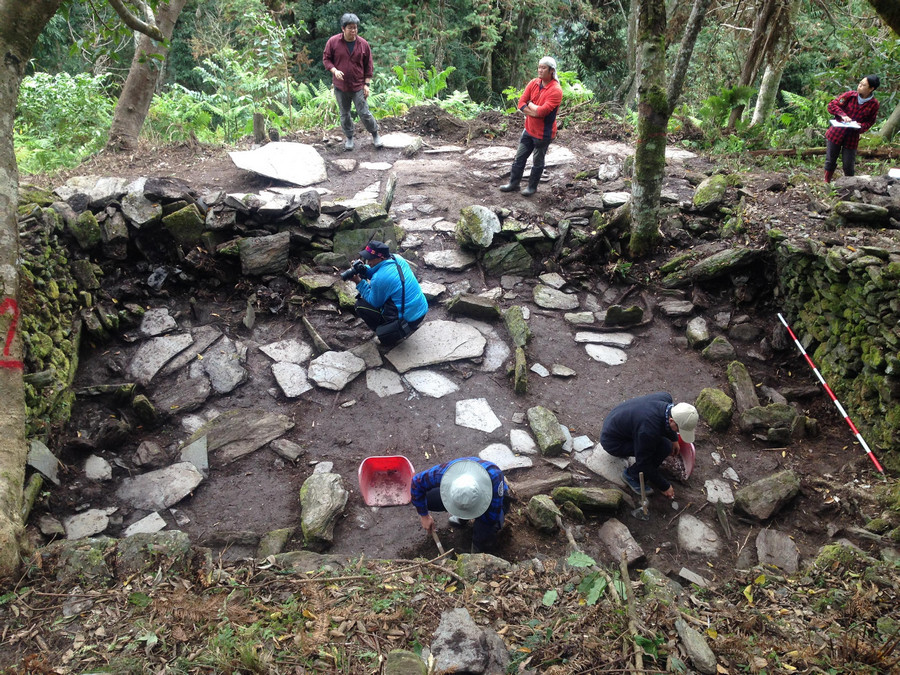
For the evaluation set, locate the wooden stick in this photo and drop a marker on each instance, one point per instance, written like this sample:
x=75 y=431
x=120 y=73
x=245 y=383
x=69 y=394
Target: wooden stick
x=632 y=615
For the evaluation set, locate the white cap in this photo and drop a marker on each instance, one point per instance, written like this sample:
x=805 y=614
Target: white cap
x=687 y=418
x=466 y=489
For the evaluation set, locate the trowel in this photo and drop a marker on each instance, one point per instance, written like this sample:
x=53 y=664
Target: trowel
x=642 y=512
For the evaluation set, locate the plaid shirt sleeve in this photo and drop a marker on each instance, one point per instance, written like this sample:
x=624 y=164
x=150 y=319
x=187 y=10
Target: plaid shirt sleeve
x=494 y=516
x=424 y=481
x=865 y=114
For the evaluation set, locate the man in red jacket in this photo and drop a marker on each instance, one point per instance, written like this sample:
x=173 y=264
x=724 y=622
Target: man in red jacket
x=857 y=108
x=349 y=60
x=540 y=104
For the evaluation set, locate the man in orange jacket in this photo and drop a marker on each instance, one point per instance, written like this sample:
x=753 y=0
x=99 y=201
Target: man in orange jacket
x=540 y=105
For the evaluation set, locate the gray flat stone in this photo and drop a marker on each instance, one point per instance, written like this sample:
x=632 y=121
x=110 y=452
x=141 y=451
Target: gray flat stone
x=579 y=318
x=156 y=322
x=603 y=464
x=437 y=342
x=40 y=458
x=203 y=336
x=290 y=351
x=291 y=378
x=616 y=537
x=222 y=363
x=88 y=523
x=452 y=260
x=295 y=163
x=197 y=454
x=550 y=298
x=375 y=166
x=156 y=490
x=398 y=140
x=503 y=456
x=696 y=536
x=335 y=370
x=384 y=382
x=153 y=354
x=522 y=443
x=718 y=491
x=620 y=340
x=611 y=356
x=540 y=370
x=146 y=525
x=419 y=224
x=476 y=413
x=777 y=548
x=430 y=383
x=676 y=308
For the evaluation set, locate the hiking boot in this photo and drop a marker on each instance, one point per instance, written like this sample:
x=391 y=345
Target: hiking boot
x=635 y=484
x=348 y=144
x=376 y=141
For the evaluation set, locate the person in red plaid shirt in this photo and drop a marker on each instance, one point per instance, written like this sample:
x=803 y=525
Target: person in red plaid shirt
x=858 y=106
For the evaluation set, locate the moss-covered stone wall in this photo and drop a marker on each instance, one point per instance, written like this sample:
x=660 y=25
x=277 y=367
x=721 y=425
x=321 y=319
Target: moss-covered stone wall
x=843 y=302
x=49 y=301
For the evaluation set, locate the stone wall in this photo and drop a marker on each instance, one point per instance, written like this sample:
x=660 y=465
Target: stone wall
x=843 y=303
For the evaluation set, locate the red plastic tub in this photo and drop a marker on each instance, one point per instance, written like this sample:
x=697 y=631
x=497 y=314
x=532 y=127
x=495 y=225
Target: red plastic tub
x=688 y=455
x=385 y=480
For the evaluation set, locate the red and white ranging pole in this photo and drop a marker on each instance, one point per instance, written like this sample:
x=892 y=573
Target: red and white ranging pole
x=833 y=397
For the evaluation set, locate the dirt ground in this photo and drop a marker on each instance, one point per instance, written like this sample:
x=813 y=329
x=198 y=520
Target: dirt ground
x=259 y=493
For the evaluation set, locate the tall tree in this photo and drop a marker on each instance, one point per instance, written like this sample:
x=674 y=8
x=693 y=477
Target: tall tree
x=762 y=42
x=686 y=50
x=653 y=120
x=21 y=22
x=137 y=94
x=889 y=11
x=776 y=60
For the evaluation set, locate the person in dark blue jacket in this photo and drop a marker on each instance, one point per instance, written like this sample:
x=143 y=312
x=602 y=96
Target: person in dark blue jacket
x=647 y=428
x=470 y=489
x=391 y=292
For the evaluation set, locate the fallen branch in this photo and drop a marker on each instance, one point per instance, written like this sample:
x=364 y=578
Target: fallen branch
x=632 y=615
x=357 y=577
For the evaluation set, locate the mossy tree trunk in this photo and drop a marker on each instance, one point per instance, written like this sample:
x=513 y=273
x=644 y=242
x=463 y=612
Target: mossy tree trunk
x=889 y=128
x=775 y=65
x=21 y=22
x=653 y=119
x=137 y=94
x=20 y=25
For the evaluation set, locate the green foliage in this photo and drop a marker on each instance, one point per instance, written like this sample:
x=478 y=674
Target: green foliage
x=60 y=120
x=178 y=114
x=715 y=110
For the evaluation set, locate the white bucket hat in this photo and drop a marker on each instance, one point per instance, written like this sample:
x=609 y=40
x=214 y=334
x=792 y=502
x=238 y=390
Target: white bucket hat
x=686 y=417
x=466 y=489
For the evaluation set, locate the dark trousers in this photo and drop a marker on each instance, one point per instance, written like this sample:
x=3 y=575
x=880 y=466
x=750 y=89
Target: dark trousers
x=625 y=449
x=378 y=316
x=848 y=158
x=528 y=144
x=357 y=99
x=483 y=534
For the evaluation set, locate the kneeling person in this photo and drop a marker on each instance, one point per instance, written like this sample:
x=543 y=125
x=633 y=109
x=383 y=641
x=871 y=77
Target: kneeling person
x=390 y=300
x=470 y=489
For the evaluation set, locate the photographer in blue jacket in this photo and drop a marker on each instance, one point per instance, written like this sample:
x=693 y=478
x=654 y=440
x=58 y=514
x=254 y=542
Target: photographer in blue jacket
x=390 y=299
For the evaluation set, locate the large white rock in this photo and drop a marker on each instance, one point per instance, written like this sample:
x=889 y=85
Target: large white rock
x=603 y=464
x=476 y=413
x=431 y=383
x=696 y=536
x=504 y=458
x=384 y=382
x=291 y=351
x=335 y=370
x=160 y=489
x=291 y=377
x=437 y=342
x=295 y=163
x=611 y=356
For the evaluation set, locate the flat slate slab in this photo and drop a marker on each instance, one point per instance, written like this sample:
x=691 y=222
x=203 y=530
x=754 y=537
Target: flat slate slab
x=476 y=413
x=504 y=457
x=295 y=163
x=611 y=356
x=437 y=342
x=160 y=489
x=431 y=383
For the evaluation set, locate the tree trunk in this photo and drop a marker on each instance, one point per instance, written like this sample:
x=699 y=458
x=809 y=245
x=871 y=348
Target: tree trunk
x=653 y=119
x=688 y=40
x=137 y=94
x=889 y=128
x=776 y=63
x=626 y=90
x=889 y=11
x=761 y=43
x=20 y=25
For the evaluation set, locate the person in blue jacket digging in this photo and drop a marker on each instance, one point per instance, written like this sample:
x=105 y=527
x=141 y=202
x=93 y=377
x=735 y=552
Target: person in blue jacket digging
x=647 y=428
x=390 y=299
x=470 y=489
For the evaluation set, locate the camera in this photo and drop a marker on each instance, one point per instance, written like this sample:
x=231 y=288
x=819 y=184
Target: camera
x=356 y=267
